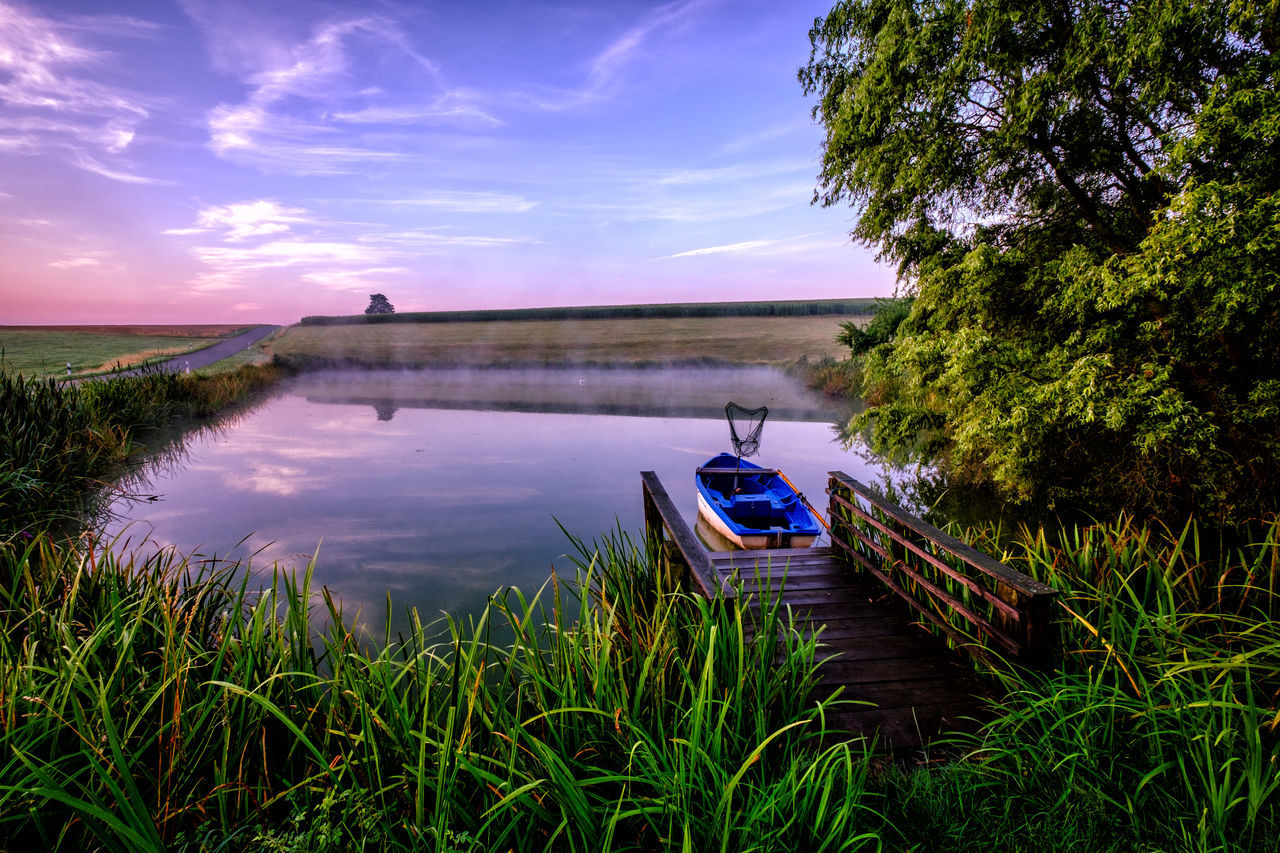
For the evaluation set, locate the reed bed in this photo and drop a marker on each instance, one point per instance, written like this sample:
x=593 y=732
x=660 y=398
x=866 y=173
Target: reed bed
x=57 y=441
x=1161 y=723
x=167 y=705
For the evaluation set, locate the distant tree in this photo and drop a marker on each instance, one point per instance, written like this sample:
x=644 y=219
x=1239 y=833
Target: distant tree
x=1084 y=198
x=378 y=304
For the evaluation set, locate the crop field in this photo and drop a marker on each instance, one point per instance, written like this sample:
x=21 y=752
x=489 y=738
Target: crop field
x=744 y=340
x=784 y=308
x=46 y=350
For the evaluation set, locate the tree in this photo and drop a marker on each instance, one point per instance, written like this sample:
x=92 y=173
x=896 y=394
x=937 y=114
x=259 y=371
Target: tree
x=378 y=304
x=1082 y=197
x=883 y=325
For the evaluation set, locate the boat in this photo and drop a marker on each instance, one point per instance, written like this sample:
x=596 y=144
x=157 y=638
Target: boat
x=752 y=507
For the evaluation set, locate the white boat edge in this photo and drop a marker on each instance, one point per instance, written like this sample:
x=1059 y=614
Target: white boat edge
x=749 y=543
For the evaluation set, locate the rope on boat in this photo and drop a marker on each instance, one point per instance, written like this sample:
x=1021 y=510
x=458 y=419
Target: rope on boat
x=800 y=494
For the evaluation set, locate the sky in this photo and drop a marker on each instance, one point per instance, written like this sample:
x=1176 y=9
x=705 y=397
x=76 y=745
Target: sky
x=217 y=161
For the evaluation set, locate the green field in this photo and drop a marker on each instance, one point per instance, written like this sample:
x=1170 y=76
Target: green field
x=46 y=350
x=748 y=340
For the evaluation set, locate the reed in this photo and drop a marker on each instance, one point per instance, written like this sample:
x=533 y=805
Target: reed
x=1163 y=714
x=57 y=441
x=169 y=704
x=164 y=704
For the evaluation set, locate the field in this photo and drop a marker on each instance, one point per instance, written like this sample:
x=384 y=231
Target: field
x=779 y=340
x=861 y=307
x=46 y=350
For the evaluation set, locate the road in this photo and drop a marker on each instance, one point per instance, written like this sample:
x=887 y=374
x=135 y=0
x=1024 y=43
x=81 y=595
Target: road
x=208 y=355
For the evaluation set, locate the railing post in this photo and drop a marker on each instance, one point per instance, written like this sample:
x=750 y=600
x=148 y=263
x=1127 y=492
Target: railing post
x=942 y=578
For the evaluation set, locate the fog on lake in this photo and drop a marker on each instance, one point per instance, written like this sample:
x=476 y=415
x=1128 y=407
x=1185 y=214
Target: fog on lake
x=440 y=487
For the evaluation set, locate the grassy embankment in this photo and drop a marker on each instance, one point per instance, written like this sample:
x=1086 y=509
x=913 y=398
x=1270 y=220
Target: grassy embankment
x=39 y=351
x=775 y=340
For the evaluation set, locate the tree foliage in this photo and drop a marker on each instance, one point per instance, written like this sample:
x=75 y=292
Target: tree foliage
x=882 y=327
x=1082 y=197
x=379 y=304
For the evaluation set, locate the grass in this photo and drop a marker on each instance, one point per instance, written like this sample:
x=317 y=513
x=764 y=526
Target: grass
x=45 y=351
x=58 y=441
x=778 y=340
x=840 y=378
x=171 y=705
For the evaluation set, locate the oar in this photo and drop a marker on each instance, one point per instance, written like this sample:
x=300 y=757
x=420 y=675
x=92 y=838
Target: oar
x=800 y=494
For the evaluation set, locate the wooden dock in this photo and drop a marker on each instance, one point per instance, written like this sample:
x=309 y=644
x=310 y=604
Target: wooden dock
x=868 y=598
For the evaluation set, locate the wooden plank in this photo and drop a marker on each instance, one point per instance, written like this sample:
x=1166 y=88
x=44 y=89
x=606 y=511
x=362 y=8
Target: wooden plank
x=842 y=630
x=936 y=692
x=822 y=611
x=903 y=647
x=772 y=553
x=695 y=556
x=941 y=565
x=825 y=580
x=839 y=671
x=983 y=562
x=942 y=625
x=777 y=571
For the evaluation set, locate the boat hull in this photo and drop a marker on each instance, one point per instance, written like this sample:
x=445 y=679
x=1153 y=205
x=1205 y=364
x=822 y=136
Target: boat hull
x=752 y=541
x=752 y=507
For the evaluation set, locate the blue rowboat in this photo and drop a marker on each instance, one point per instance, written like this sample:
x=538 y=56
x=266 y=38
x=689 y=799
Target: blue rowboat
x=752 y=507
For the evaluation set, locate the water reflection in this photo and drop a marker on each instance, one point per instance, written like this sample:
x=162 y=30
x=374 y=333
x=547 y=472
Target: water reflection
x=692 y=392
x=440 y=489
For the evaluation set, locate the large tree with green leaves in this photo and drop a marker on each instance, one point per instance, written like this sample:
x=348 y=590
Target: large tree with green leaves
x=1082 y=196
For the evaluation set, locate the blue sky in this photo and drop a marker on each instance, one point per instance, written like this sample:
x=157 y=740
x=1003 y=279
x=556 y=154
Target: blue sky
x=218 y=161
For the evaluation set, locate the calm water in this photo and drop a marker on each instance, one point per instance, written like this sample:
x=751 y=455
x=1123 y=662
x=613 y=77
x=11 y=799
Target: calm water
x=442 y=487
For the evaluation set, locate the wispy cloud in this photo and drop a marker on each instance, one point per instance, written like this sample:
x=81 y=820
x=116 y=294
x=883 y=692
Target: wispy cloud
x=246 y=219
x=467 y=202
x=606 y=68
x=355 y=281
x=76 y=263
x=767 y=248
x=729 y=248
x=313 y=100
x=735 y=173
x=428 y=239
x=263 y=236
x=53 y=95
x=768 y=134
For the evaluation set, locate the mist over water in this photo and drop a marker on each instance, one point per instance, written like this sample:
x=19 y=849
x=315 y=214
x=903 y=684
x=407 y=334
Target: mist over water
x=440 y=487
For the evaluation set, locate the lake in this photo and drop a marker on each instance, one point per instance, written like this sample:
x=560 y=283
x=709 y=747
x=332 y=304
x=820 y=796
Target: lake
x=439 y=487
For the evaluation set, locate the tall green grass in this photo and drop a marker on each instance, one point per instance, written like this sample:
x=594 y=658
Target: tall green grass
x=1163 y=717
x=57 y=441
x=161 y=704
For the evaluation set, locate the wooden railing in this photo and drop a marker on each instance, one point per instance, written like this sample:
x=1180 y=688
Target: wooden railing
x=979 y=603
x=661 y=517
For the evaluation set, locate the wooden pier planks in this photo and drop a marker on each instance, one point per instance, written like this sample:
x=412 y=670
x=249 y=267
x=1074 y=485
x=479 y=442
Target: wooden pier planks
x=871 y=650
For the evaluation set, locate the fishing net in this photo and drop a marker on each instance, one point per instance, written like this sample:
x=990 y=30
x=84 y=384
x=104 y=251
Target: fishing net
x=745 y=426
